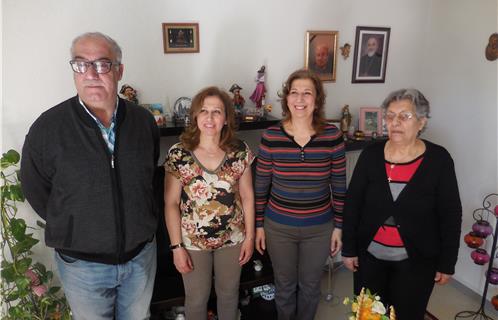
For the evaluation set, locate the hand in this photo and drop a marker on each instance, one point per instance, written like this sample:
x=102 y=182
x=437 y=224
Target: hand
x=442 y=278
x=260 y=240
x=182 y=260
x=351 y=263
x=336 y=242
x=246 y=251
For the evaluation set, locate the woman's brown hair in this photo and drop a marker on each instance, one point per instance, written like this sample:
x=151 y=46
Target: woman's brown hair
x=319 y=121
x=191 y=136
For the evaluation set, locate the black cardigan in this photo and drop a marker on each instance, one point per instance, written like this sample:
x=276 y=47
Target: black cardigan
x=97 y=207
x=428 y=211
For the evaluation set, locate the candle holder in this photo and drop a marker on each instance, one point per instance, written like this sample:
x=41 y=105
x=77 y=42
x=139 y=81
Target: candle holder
x=481 y=228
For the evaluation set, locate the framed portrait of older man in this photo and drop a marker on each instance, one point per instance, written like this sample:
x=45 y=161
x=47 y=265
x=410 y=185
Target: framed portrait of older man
x=370 y=54
x=321 y=53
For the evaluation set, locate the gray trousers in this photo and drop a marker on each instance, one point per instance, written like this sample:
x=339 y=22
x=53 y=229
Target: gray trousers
x=226 y=283
x=298 y=255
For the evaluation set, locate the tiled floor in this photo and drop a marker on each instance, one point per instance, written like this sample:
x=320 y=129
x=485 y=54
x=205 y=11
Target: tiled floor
x=445 y=301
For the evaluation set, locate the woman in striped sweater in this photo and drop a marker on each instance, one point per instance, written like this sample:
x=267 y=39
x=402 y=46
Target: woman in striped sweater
x=300 y=189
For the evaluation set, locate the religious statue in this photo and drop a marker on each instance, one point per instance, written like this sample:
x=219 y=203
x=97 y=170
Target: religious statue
x=346 y=119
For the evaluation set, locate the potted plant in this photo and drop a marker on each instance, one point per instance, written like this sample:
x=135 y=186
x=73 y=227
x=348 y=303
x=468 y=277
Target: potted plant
x=26 y=287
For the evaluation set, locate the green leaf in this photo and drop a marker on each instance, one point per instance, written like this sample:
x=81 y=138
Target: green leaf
x=41 y=224
x=16 y=193
x=12 y=193
x=46 y=300
x=8 y=272
x=6 y=192
x=23 y=265
x=40 y=267
x=10 y=158
x=54 y=290
x=13 y=296
x=18 y=228
x=25 y=245
x=22 y=282
x=15 y=312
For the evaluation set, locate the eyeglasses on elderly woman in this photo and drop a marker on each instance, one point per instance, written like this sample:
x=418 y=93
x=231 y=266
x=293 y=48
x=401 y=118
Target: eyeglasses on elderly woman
x=402 y=116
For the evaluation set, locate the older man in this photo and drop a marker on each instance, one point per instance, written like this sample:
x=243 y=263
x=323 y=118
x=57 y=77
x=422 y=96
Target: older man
x=87 y=169
x=323 y=61
x=371 y=61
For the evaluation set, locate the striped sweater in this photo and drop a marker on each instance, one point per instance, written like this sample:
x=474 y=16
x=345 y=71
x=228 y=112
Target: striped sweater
x=294 y=184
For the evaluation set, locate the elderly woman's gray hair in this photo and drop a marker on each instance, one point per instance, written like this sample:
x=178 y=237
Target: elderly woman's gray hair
x=416 y=97
x=116 y=49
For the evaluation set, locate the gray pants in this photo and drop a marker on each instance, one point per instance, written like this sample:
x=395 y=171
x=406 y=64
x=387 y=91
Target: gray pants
x=298 y=255
x=226 y=283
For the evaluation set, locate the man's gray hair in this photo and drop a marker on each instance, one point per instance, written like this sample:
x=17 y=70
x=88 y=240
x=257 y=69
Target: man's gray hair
x=422 y=107
x=116 y=49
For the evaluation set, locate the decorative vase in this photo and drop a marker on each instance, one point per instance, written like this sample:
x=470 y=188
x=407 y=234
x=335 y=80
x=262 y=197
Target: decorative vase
x=494 y=301
x=473 y=240
x=480 y=256
x=493 y=276
x=482 y=228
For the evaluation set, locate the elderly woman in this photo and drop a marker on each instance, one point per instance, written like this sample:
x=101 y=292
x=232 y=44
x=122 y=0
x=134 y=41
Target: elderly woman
x=209 y=205
x=300 y=188
x=402 y=215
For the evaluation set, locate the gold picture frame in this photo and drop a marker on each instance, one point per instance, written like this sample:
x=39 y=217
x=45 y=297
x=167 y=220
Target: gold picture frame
x=321 y=54
x=181 y=37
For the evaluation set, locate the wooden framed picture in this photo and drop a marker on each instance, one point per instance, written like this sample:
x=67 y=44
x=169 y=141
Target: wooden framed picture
x=321 y=53
x=371 y=120
x=181 y=37
x=370 y=54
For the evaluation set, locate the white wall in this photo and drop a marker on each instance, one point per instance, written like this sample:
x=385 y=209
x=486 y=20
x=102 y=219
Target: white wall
x=430 y=47
x=461 y=85
x=236 y=38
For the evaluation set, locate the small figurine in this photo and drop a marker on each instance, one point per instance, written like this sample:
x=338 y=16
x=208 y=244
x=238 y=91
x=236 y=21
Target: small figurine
x=238 y=99
x=346 y=119
x=259 y=91
x=345 y=50
x=492 y=47
x=129 y=93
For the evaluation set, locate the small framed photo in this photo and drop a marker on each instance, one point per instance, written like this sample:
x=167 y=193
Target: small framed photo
x=371 y=120
x=181 y=37
x=321 y=53
x=370 y=54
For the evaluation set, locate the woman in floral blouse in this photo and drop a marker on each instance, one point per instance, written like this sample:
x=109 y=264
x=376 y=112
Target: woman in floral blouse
x=210 y=205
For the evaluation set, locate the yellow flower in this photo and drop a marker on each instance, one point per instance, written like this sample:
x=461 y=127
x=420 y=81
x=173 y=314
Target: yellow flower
x=346 y=301
x=354 y=307
x=352 y=318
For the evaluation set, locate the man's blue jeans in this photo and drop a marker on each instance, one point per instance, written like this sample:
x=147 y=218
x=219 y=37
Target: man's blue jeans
x=97 y=291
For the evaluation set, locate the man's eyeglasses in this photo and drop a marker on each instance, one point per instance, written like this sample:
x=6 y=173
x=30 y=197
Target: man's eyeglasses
x=100 y=66
x=402 y=116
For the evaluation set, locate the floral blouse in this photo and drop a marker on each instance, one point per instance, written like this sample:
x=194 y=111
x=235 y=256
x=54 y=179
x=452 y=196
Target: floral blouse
x=211 y=209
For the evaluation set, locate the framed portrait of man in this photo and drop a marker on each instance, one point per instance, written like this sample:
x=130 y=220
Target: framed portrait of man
x=370 y=54
x=181 y=37
x=321 y=53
